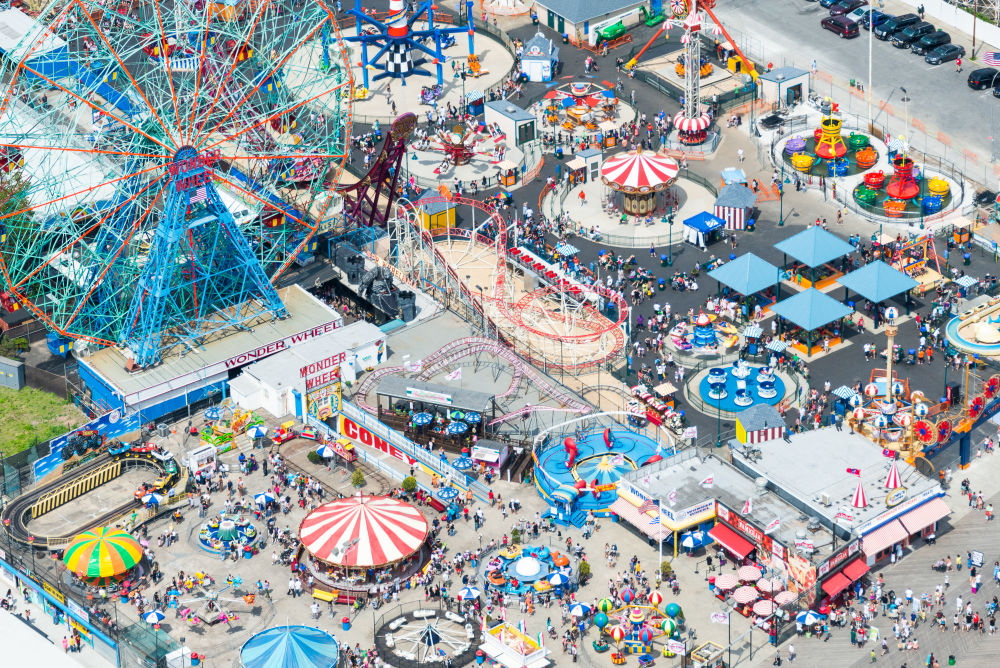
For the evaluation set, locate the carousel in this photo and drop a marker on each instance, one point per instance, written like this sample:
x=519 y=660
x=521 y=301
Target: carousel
x=348 y=538
x=639 y=176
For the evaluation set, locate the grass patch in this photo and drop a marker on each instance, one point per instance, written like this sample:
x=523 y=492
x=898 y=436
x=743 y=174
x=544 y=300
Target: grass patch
x=33 y=415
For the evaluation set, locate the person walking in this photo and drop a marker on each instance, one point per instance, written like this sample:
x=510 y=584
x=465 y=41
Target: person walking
x=958 y=64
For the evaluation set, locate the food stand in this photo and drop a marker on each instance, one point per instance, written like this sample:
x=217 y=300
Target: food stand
x=489 y=455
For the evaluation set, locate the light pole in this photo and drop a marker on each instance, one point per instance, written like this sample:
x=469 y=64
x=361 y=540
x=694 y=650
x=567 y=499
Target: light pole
x=871 y=31
x=482 y=307
x=718 y=421
x=781 y=197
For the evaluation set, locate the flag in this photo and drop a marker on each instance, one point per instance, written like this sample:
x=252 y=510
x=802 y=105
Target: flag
x=672 y=497
x=854 y=471
x=655 y=520
x=199 y=196
x=748 y=507
x=454 y=375
x=886 y=452
x=707 y=482
x=647 y=505
x=522 y=627
x=775 y=523
x=991 y=57
x=844 y=516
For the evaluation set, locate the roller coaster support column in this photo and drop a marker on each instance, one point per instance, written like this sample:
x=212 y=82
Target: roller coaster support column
x=472 y=30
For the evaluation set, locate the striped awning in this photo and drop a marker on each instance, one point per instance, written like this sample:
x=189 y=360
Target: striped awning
x=753 y=330
x=473 y=95
x=966 y=281
x=777 y=346
x=696 y=124
x=844 y=392
x=641 y=521
x=885 y=536
x=923 y=516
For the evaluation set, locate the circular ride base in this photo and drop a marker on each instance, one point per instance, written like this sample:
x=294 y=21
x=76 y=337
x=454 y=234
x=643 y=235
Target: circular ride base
x=821 y=167
x=974 y=333
x=594 y=460
x=213 y=537
x=699 y=385
x=912 y=208
x=521 y=570
x=426 y=637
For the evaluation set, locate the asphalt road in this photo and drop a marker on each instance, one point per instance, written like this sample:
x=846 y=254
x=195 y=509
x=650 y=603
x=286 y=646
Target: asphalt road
x=790 y=34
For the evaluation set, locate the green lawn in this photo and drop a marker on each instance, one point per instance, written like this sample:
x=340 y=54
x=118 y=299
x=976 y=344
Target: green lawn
x=34 y=415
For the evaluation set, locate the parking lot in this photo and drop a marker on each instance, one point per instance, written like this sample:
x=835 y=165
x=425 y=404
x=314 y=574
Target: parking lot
x=789 y=33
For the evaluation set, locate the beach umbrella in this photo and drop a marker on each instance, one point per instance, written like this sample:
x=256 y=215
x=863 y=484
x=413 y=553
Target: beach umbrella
x=558 y=579
x=457 y=428
x=744 y=595
x=579 y=609
x=102 y=552
x=462 y=463
x=748 y=573
x=152 y=499
x=693 y=539
x=153 y=617
x=212 y=413
x=473 y=417
x=469 y=593
x=263 y=498
x=807 y=617
x=422 y=419
x=325 y=451
x=785 y=597
x=447 y=493
x=764 y=608
x=257 y=431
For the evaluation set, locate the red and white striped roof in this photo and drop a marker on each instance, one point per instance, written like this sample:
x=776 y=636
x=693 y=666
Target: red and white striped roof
x=639 y=171
x=386 y=531
x=696 y=124
x=860 y=500
x=892 y=480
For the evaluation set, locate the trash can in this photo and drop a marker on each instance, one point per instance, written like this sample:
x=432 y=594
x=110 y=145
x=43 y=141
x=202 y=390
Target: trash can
x=345 y=623
x=559 y=152
x=966 y=259
x=534 y=19
x=951 y=659
x=852 y=83
x=711 y=583
x=480 y=656
x=565 y=38
x=663 y=260
x=662 y=283
x=195 y=659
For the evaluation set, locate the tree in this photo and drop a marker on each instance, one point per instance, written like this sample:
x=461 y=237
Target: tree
x=515 y=536
x=358 y=478
x=584 y=571
x=314 y=457
x=666 y=569
x=409 y=484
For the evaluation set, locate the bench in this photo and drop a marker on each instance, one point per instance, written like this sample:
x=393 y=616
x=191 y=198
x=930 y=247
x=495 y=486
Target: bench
x=424 y=614
x=458 y=619
x=321 y=595
x=396 y=623
x=436 y=505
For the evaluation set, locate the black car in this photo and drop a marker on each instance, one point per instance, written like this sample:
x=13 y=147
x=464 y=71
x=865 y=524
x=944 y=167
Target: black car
x=996 y=90
x=888 y=28
x=876 y=18
x=984 y=77
x=929 y=42
x=944 y=53
x=910 y=34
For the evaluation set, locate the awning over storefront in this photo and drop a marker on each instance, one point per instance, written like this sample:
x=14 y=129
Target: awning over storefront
x=641 y=521
x=731 y=540
x=855 y=570
x=924 y=516
x=885 y=536
x=836 y=584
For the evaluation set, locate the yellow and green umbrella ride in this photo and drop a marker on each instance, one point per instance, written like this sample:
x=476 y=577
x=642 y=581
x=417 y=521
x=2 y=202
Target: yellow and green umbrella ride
x=102 y=553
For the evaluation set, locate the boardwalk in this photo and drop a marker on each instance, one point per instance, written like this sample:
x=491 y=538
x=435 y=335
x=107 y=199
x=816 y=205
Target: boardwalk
x=971 y=532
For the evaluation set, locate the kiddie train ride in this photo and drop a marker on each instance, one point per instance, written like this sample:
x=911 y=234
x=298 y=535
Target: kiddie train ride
x=640 y=624
x=578 y=474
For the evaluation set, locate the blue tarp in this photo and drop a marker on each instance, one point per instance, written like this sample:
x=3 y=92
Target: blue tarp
x=290 y=647
x=877 y=281
x=733 y=175
x=810 y=309
x=814 y=246
x=705 y=222
x=747 y=274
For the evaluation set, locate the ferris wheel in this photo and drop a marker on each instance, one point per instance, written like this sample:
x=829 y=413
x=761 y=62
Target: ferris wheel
x=162 y=164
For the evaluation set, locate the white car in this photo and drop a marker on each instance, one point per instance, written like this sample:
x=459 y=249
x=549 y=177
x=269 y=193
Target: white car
x=857 y=14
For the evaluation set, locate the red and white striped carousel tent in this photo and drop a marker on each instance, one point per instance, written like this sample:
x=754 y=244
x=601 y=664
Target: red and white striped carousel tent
x=639 y=171
x=363 y=531
x=696 y=124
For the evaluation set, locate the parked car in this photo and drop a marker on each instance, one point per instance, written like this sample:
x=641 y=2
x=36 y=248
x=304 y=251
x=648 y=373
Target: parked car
x=840 y=25
x=984 y=77
x=996 y=90
x=857 y=14
x=827 y=3
x=890 y=27
x=910 y=34
x=846 y=7
x=877 y=18
x=927 y=43
x=944 y=53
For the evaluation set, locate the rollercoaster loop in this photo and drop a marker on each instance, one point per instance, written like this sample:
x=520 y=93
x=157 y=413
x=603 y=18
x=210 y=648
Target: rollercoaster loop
x=538 y=302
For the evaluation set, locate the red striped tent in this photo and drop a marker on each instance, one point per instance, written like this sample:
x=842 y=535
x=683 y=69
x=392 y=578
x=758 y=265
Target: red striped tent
x=734 y=205
x=759 y=424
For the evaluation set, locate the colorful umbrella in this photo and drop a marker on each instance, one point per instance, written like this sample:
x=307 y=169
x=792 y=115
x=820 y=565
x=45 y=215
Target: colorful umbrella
x=726 y=581
x=257 y=431
x=102 y=552
x=473 y=418
x=807 y=617
x=325 y=451
x=154 y=617
x=579 y=609
x=764 y=608
x=462 y=463
x=785 y=597
x=694 y=539
x=469 y=593
x=447 y=493
x=422 y=419
x=744 y=595
x=263 y=498
x=457 y=428
x=558 y=579
x=748 y=573
x=153 y=498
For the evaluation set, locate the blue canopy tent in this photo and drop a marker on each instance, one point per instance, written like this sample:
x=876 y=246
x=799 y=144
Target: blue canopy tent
x=701 y=228
x=810 y=310
x=876 y=282
x=813 y=247
x=290 y=647
x=747 y=275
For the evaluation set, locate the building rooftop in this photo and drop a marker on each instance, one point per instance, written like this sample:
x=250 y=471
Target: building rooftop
x=760 y=416
x=685 y=473
x=578 y=11
x=400 y=387
x=307 y=318
x=540 y=47
x=510 y=110
x=783 y=74
x=810 y=471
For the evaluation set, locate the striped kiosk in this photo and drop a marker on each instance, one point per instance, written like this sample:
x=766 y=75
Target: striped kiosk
x=759 y=424
x=735 y=205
